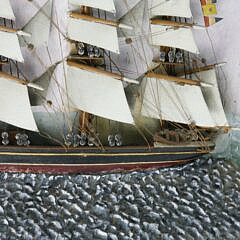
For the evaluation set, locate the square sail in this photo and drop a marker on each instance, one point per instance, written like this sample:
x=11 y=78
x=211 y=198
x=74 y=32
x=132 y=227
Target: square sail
x=175 y=8
x=10 y=47
x=106 y=5
x=181 y=37
x=6 y=10
x=98 y=94
x=15 y=105
x=96 y=34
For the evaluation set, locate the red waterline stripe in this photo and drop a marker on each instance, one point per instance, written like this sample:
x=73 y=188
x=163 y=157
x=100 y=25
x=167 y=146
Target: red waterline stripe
x=65 y=169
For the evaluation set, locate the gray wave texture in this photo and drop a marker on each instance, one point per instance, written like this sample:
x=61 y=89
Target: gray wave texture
x=198 y=201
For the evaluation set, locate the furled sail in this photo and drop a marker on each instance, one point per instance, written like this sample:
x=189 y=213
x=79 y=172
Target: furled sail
x=42 y=21
x=177 y=103
x=97 y=34
x=15 y=105
x=9 y=46
x=174 y=8
x=6 y=10
x=97 y=93
x=106 y=5
x=212 y=96
x=170 y=36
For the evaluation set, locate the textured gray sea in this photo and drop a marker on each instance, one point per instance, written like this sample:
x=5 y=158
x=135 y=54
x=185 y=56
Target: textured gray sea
x=198 y=201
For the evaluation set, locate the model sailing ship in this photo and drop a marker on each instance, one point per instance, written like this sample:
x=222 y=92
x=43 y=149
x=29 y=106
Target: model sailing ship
x=90 y=112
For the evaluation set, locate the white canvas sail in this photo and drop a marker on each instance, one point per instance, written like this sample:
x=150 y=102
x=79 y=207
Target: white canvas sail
x=106 y=5
x=15 y=105
x=123 y=6
x=10 y=47
x=173 y=102
x=6 y=10
x=212 y=96
x=41 y=21
x=135 y=17
x=98 y=94
x=38 y=98
x=96 y=34
x=174 y=37
x=136 y=56
x=176 y=8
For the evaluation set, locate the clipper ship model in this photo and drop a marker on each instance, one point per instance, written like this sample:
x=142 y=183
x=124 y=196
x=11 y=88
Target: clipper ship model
x=120 y=95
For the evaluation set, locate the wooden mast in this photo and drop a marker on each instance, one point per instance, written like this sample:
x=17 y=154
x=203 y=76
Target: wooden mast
x=199 y=69
x=93 y=19
x=170 y=23
x=173 y=79
x=84 y=117
x=6 y=29
x=87 y=17
x=12 y=30
x=100 y=71
x=10 y=77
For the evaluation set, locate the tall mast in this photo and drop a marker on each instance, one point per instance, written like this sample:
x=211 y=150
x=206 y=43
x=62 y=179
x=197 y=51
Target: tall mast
x=84 y=117
x=186 y=97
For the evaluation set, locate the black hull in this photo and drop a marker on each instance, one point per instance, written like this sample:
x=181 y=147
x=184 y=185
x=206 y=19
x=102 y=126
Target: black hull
x=93 y=160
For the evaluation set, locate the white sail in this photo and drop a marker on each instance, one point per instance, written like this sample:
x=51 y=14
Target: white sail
x=10 y=47
x=135 y=17
x=212 y=96
x=96 y=34
x=37 y=98
x=176 y=8
x=15 y=105
x=6 y=10
x=136 y=56
x=98 y=94
x=174 y=37
x=173 y=102
x=106 y=5
x=41 y=21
